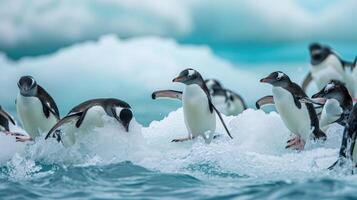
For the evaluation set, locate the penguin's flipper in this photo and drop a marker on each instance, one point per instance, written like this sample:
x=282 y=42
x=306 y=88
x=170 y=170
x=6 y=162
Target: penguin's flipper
x=63 y=121
x=48 y=104
x=220 y=117
x=81 y=118
x=308 y=100
x=338 y=163
x=297 y=102
x=7 y=116
x=267 y=100
x=182 y=139
x=306 y=81
x=167 y=94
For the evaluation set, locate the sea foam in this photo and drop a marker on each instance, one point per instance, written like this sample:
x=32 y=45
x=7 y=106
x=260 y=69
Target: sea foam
x=257 y=149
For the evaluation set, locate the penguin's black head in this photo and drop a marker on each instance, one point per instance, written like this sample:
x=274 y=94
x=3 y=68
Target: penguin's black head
x=125 y=116
x=213 y=84
x=189 y=76
x=334 y=90
x=229 y=96
x=27 y=86
x=318 y=53
x=277 y=79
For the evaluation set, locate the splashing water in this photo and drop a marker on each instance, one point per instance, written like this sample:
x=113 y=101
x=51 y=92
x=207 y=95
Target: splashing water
x=110 y=161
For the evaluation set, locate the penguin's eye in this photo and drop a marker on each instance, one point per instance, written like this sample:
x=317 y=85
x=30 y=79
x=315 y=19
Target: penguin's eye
x=278 y=78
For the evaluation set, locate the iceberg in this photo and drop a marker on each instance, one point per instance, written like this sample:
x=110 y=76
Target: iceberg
x=126 y=69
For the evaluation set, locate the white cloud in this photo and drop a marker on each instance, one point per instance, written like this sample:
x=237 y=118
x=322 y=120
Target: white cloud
x=31 y=23
x=48 y=20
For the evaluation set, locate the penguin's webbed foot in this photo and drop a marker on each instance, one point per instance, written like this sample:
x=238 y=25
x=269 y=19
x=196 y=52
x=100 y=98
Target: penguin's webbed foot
x=57 y=135
x=23 y=138
x=296 y=144
x=181 y=139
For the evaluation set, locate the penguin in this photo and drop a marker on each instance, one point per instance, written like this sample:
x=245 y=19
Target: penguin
x=233 y=103
x=89 y=115
x=5 y=121
x=336 y=101
x=300 y=118
x=213 y=84
x=198 y=109
x=36 y=109
x=226 y=101
x=326 y=65
x=348 y=149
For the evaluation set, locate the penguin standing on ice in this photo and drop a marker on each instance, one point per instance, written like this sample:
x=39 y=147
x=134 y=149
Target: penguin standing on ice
x=198 y=110
x=36 y=109
x=336 y=101
x=300 y=118
x=226 y=101
x=326 y=65
x=89 y=115
x=5 y=121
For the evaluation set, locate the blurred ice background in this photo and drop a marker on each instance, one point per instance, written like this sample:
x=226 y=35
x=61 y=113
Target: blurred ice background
x=43 y=26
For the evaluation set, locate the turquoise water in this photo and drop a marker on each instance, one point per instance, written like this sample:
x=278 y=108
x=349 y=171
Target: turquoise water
x=127 y=181
x=222 y=170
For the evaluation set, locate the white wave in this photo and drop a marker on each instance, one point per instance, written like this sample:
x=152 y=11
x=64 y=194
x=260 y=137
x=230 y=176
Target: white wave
x=125 y=69
x=9 y=146
x=130 y=70
x=257 y=149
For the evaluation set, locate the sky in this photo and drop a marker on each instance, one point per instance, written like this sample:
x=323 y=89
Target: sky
x=29 y=27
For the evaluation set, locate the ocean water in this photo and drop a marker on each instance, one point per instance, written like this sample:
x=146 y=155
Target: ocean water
x=109 y=163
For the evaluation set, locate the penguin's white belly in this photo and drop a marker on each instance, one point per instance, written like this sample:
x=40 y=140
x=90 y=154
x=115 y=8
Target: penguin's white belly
x=330 y=113
x=32 y=117
x=198 y=118
x=229 y=108
x=221 y=105
x=295 y=119
x=235 y=107
x=94 y=118
x=322 y=76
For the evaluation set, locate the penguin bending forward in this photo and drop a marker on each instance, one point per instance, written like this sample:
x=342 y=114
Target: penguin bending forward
x=5 y=120
x=198 y=109
x=36 y=109
x=89 y=114
x=336 y=101
x=300 y=118
x=226 y=101
x=326 y=65
x=233 y=103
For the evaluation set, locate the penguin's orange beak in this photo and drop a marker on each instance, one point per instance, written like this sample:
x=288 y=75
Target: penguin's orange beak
x=179 y=79
x=266 y=80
